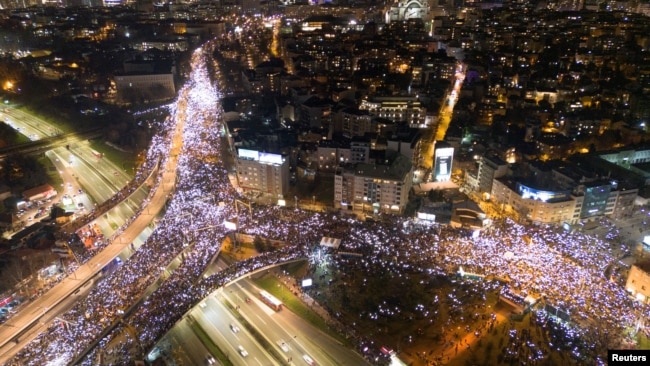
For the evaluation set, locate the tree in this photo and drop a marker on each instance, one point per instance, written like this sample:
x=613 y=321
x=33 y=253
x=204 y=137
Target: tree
x=269 y=246
x=259 y=245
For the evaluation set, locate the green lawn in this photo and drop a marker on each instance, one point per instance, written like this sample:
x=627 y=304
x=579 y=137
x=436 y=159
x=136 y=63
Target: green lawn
x=209 y=344
x=644 y=342
x=9 y=136
x=271 y=284
x=51 y=118
x=124 y=159
x=53 y=176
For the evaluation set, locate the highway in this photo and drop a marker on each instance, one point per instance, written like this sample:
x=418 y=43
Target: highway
x=290 y=336
x=80 y=170
x=212 y=317
x=32 y=127
x=19 y=325
x=302 y=338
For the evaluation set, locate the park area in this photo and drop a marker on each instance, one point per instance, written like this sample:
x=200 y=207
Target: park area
x=426 y=320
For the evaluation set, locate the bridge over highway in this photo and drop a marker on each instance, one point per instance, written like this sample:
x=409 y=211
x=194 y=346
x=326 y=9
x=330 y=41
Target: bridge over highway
x=49 y=143
x=201 y=289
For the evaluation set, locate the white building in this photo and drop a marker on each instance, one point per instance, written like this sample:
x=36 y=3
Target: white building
x=147 y=87
x=581 y=202
x=535 y=205
x=397 y=109
x=405 y=10
x=262 y=172
x=373 y=187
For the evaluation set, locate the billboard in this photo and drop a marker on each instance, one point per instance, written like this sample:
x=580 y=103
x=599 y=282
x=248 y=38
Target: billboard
x=268 y=158
x=443 y=158
x=540 y=195
x=248 y=154
x=262 y=157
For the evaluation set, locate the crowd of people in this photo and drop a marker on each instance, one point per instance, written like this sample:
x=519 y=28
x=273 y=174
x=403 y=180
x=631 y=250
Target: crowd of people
x=566 y=269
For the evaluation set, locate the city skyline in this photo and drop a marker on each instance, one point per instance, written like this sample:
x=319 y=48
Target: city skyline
x=481 y=167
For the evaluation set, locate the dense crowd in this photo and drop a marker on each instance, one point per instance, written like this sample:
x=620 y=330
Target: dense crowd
x=566 y=269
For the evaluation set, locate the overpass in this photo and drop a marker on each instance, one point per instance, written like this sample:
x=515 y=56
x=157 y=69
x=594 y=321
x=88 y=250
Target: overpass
x=48 y=143
x=199 y=291
x=18 y=326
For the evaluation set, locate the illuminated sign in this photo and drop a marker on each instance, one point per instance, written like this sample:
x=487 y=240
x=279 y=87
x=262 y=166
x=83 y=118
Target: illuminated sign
x=262 y=157
x=267 y=158
x=443 y=160
x=426 y=216
x=249 y=154
x=306 y=282
x=539 y=195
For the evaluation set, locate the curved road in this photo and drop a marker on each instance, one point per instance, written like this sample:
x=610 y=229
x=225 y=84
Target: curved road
x=40 y=307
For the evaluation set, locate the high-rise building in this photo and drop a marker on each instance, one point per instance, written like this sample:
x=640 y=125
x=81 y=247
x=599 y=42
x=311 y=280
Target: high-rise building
x=263 y=172
x=374 y=188
x=490 y=167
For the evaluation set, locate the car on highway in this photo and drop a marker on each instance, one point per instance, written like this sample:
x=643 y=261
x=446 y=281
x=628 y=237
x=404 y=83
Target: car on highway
x=242 y=351
x=309 y=360
x=209 y=360
x=283 y=345
x=234 y=328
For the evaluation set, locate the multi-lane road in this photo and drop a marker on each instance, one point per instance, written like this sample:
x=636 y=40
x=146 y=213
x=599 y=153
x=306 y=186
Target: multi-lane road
x=292 y=340
x=87 y=179
x=290 y=337
x=23 y=326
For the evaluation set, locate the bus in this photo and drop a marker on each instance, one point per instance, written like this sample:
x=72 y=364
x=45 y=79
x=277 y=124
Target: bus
x=271 y=301
x=97 y=154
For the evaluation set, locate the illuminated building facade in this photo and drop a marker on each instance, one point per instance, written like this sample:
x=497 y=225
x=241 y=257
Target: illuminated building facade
x=638 y=282
x=396 y=109
x=536 y=205
x=596 y=200
x=583 y=202
x=405 y=10
x=490 y=167
x=373 y=188
x=262 y=172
